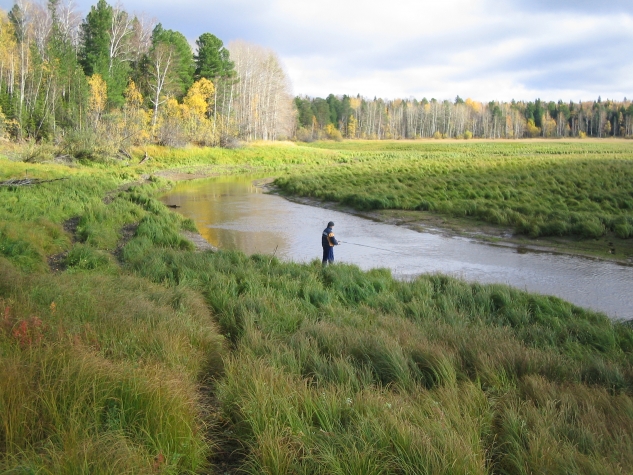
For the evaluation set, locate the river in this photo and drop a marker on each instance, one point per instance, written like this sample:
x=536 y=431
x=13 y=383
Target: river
x=232 y=213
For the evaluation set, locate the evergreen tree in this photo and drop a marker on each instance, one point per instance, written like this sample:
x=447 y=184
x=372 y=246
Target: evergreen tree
x=304 y=112
x=68 y=74
x=183 y=65
x=212 y=59
x=95 y=40
x=97 y=56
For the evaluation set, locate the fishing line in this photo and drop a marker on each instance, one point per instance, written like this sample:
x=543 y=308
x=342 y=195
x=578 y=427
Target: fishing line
x=372 y=247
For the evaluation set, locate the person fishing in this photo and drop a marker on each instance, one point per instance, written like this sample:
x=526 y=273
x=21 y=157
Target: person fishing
x=328 y=241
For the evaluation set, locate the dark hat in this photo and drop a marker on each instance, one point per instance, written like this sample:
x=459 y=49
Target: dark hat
x=330 y=224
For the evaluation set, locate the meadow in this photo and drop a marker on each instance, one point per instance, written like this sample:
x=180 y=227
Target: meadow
x=124 y=350
x=580 y=189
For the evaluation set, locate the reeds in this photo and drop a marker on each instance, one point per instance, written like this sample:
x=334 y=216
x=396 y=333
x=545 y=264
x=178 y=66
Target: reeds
x=456 y=368
x=560 y=189
x=102 y=372
x=324 y=370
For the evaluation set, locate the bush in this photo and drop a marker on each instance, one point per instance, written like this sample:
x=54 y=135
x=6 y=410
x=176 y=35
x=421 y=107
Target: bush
x=335 y=135
x=38 y=153
x=304 y=135
x=88 y=145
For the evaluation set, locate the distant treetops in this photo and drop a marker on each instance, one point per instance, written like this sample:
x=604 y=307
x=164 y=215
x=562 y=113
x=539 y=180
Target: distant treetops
x=336 y=117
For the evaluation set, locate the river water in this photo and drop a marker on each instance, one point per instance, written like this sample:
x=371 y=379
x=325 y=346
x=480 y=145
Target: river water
x=232 y=213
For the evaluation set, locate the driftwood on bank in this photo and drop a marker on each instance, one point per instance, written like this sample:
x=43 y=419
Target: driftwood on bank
x=27 y=181
x=145 y=158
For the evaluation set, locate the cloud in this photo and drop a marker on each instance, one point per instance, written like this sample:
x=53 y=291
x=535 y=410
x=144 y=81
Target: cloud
x=588 y=7
x=486 y=49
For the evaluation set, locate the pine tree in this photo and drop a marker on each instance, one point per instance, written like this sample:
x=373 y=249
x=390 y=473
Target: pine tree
x=213 y=59
x=102 y=50
x=182 y=69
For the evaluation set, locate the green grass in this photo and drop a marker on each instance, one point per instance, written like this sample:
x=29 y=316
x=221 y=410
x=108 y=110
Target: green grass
x=540 y=189
x=146 y=356
x=340 y=371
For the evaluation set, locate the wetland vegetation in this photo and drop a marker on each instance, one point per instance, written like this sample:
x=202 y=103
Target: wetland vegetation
x=125 y=350
x=547 y=189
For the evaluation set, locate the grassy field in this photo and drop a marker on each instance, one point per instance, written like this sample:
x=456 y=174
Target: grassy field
x=582 y=189
x=123 y=350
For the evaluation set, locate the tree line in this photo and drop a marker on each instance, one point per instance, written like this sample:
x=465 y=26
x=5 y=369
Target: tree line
x=337 y=117
x=112 y=79
x=116 y=78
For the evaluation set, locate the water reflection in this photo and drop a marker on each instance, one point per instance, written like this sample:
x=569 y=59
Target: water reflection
x=231 y=213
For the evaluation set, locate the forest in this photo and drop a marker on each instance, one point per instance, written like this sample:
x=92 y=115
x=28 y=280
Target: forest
x=93 y=87
x=96 y=86
x=338 y=117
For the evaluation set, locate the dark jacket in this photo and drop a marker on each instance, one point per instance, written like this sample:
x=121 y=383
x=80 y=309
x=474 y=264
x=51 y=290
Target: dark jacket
x=328 y=239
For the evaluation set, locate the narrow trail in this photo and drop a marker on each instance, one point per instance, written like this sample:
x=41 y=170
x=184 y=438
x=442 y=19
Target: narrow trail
x=57 y=262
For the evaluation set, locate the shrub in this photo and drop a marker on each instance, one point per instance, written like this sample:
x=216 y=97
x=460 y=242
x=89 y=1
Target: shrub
x=88 y=145
x=304 y=135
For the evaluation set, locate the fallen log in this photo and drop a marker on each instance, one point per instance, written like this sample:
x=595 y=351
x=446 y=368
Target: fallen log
x=27 y=181
x=145 y=158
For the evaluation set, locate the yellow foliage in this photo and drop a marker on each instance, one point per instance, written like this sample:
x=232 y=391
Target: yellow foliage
x=135 y=118
x=172 y=109
x=133 y=96
x=352 y=124
x=196 y=104
x=7 y=39
x=98 y=94
x=473 y=105
x=549 y=127
x=333 y=133
x=200 y=97
x=532 y=129
x=355 y=103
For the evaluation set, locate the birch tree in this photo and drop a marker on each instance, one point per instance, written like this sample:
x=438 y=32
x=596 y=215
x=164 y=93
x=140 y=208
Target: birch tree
x=263 y=104
x=20 y=18
x=161 y=61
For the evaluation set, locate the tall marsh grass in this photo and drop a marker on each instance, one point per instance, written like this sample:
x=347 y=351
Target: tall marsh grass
x=318 y=370
x=100 y=373
x=544 y=189
x=336 y=370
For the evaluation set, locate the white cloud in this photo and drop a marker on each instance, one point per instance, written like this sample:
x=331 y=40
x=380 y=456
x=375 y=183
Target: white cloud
x=486 y=49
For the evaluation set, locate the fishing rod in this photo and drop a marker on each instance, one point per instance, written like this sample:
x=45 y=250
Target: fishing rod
x=372 y=247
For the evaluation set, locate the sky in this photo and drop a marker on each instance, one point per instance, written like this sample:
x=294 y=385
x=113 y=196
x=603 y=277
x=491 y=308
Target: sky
x=482 y=49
